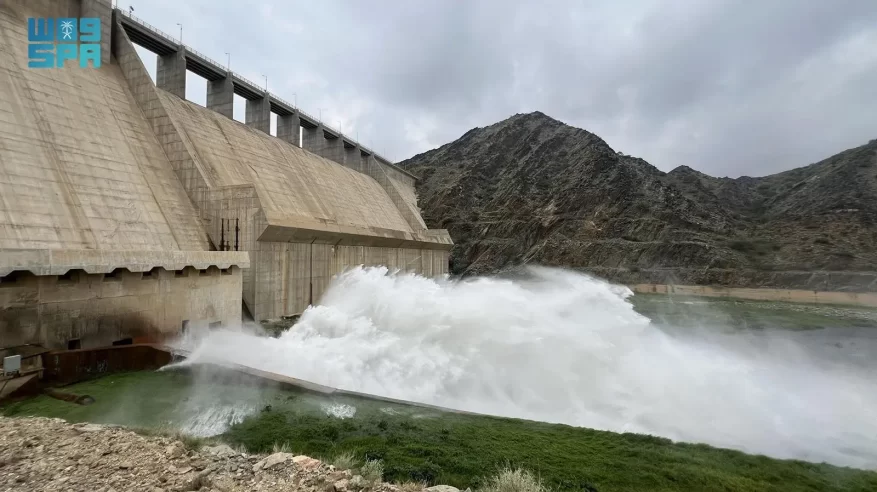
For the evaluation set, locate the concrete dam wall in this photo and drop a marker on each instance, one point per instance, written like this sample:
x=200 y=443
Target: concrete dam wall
x=127 y=212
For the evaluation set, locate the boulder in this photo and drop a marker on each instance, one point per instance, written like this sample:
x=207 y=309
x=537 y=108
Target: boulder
x=220 y=451
x=272 y=460
x=442 y=488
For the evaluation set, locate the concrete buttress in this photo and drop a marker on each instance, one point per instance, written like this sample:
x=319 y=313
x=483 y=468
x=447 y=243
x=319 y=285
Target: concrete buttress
x=317 y=142
x=170 y=74
x=259 y=114
x=288 y=128
x=220 y=96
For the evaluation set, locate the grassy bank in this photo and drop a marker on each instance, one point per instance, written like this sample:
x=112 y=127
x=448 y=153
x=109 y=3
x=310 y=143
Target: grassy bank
x=438 y=447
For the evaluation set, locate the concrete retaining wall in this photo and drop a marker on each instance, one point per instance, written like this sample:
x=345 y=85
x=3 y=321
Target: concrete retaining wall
x=99 y=309
x=63 y=368
x=762 y=294
x=822 y=281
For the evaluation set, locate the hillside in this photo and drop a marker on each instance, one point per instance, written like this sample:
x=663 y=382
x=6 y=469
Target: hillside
x=531 y=189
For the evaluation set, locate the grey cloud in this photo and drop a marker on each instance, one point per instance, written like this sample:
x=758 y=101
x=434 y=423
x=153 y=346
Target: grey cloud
x=729 y=88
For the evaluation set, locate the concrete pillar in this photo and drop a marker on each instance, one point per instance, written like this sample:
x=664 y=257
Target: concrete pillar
x=259 y=114
x=171 y=74
x=334 y=149
x=310 y=137
x=314 y=140
x=353 y=158
x=288 y=128
x=220 y=96
x=102 y=9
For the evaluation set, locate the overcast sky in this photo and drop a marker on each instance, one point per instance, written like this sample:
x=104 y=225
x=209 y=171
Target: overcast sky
x=727 y=87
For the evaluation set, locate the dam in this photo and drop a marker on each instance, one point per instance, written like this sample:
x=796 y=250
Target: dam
x=129 y=214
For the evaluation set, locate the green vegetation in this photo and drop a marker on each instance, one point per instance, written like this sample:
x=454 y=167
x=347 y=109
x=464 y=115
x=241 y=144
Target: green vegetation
x=345 y=461
x=373 y=470
x=412 y=444
x=461 y=450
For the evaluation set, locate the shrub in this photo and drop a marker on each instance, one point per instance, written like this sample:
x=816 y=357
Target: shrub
x=514 y=480
x=280 y=448
x=373 y=470
x=345 y=461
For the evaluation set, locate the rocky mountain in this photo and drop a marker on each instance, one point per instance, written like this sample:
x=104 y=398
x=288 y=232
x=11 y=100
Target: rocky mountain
x=531 y=189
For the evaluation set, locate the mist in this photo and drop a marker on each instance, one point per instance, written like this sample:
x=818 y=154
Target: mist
x=559 y=346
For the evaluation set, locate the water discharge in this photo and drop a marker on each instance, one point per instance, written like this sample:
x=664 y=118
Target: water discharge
x=559 y=346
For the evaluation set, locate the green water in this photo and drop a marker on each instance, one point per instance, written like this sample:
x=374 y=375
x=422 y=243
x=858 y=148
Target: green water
x=744 y=314
x=201 y=401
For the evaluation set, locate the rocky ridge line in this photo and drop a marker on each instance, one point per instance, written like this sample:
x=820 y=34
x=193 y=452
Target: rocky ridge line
x=533 y=190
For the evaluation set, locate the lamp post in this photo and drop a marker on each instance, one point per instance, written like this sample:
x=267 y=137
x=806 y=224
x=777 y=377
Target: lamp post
x=181 y=33
x=228 y=63
x=266 y=82
x=294 y=101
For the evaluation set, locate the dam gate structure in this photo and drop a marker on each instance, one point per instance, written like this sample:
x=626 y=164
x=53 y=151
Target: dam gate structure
x=130 y=214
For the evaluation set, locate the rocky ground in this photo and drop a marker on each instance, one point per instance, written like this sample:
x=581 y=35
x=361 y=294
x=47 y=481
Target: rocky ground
x=53 y=455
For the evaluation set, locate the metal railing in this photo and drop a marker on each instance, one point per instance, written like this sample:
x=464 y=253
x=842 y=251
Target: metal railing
x=150 y=27
x=205 y=57
x=276 y=98
x=176 y=41
x=244 y=79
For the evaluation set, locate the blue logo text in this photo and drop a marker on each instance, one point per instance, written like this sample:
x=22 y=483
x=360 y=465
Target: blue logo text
x=53 y=41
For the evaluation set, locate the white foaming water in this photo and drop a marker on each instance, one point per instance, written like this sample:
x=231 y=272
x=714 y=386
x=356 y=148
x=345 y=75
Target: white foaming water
x=338 y=410
x=214 y=419
x=559 y=346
